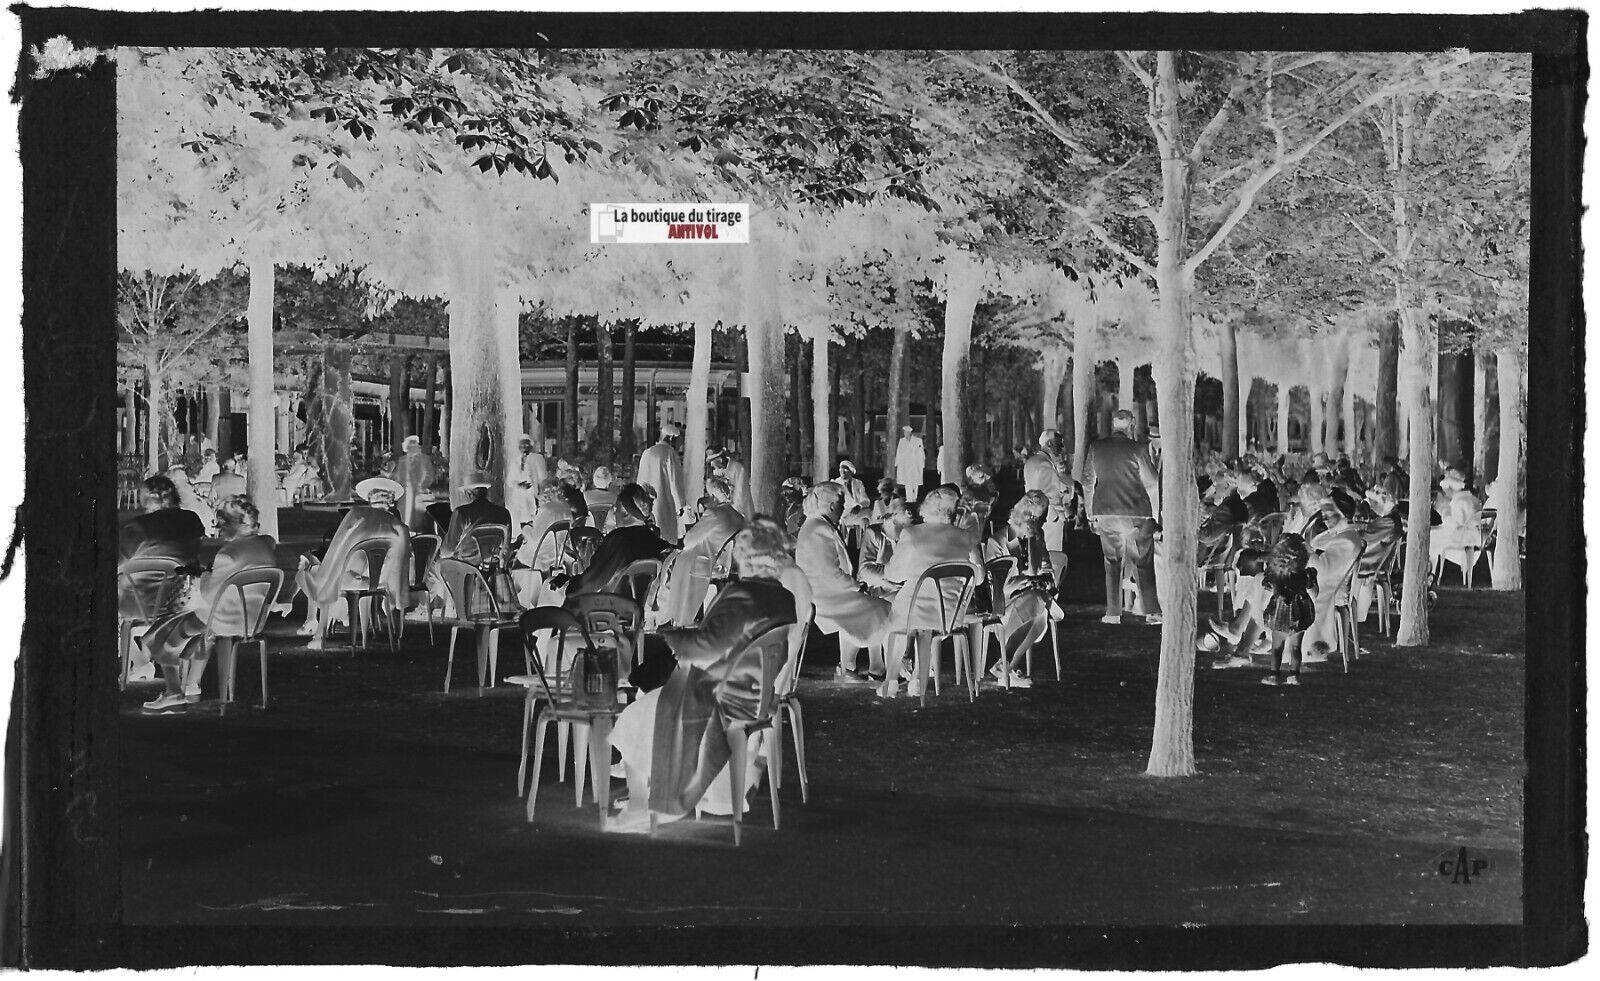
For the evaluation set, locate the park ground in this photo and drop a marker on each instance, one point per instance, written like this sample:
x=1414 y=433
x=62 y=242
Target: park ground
x=365 y=796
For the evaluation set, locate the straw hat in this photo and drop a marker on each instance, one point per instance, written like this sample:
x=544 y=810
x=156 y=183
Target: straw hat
x=475 y=480
x=373 y=485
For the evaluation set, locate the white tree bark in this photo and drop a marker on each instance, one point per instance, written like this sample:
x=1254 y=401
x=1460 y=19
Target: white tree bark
x=1349 y=401
x=1125 y=369
x=963 y=289
x=262 y=427
x=698 y=413
x=1480 y=417
x=1082 y=393
x=1421 y=363
x=1506 y=572
x=1233 y=393
x=1052 y=374
x=155 y=393
x=478 y=362
x=822 y=427
x=1285 y=395
x=764 y=327
x=1314 y=441
x=507 y=417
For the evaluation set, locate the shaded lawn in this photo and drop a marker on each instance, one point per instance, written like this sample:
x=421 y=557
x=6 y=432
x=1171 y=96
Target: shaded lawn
x=364 y=795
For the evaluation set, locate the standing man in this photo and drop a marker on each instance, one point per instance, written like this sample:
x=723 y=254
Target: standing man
x=661 y=468
x=1122 y=483
x=910 y=458
x=1047 y=473
x=531 y=472
x=415 y=474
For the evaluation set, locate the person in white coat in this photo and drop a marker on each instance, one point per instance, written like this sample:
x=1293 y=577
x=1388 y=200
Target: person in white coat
x=842 y=605
x=1049 y=472
x=722 y=463
x=661 y=468
x=910 y=459
x=531 y=472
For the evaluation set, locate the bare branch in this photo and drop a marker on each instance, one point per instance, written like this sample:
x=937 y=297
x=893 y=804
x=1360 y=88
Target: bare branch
x=1208 y=135
x=1127 y=255
x=1003 y=77
x=1130 y=61
x=1368 y=236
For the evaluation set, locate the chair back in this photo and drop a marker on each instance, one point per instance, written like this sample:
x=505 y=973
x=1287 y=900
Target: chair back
x=789 y=678
x=490 y=539
x=1379 y=561
x=424 y=548
x=464 y=582
x=376 y=551
x=149 y=583
x=559 y=620
x=1341 y=596
x=581 y=545
x=999 y=569
x=1487 y=518
x=770 y=650
x=1216 y=555
x=722 y=563
x=611 y=613
x=597 y=516
x=639 y=580
x=965 y=575
x=557 y=533
x=252 y=612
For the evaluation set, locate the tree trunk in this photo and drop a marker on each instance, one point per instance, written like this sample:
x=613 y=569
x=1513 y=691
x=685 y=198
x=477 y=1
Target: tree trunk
x=399 y=402
x=628 y=443
x=1232 y=400
x=1387 y=438
x=1052 y=373
x=155 y=388
x=569 y=417
x=1083 y=390
x=821 y=408
x=695 y=425
x=1172 y=744
x=261 y=444
x=605 y=391
x=1420 y=361
x=1349 y=412
x=963 y=289
x=1338 y=358
x=893 y=417
x=505 y=419
x=1285 y=403
x=1506 y=570
x=485 y=374
x=430 y=395
x=1318 y=413
x=764 y=336
x=337 y=421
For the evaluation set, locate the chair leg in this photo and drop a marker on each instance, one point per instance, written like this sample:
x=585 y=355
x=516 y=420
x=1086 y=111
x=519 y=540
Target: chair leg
x=353 y=612
x=125 y=648
x=261 y=642
x=450 y=659
x=797 y=732
x=563 y=736
x=924 y=642
x=527 y=720
x=1055 y=646
x=600 y=763
x=774 y=750
x=224 y=653
x=481 y=642
x=737 y=747
x=494 y=656
x=540 y=728
x=964 y=656
x=428 y=603
x=580 y=759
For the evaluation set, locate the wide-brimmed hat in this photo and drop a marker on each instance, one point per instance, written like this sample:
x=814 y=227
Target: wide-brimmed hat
x=1048 y=435
x=412 y=440
x=847 y=465
x=372 y=485
x=475 y=480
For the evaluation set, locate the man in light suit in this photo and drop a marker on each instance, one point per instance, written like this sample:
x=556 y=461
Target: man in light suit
x=1123 y=485
x=1045 y=472
x=910 y=459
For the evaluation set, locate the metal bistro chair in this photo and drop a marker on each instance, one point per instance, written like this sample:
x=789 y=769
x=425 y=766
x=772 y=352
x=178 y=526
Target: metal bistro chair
x=559 y=533
x=150 y=582
x=424 y=549
x=983 y=626
x=952 y=616
x=720 y=572
x=255 y=613
x=550 y=703
x=597 y=516
x=1344 y=617
x=372 y=595
x=641 y=580
x=1375 y=572
x=1216 y=562
x=465 y=583
x=772 y=648
x=621 y=617
x=789 y=699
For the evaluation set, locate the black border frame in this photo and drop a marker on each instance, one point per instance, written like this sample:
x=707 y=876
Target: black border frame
x=60 y=879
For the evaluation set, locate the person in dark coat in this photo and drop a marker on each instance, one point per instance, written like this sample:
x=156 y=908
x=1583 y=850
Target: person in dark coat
x=632 y=537
x=164 y=530
x=478 y=511
x=1123 y=484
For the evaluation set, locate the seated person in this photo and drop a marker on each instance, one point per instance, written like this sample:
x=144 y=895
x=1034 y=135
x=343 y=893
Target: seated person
x=478 y=510
x=1030 y=589
x=1458 y=532
x=342 y=568
x=688 y=574
x=600 y=495
x=304 y=480
x=209 y=468
x=1259 y=498
x=879 y=547
x=177 y=642
x=1334 y=550
x=632 y=537
x=537 y=557
x=842 y=607
x=857 y=505
x=228 y=482
x=672 y=739
x=888 y=493
x=921 y=547
x=791 y=503
x=188 y=499
x=164 y=530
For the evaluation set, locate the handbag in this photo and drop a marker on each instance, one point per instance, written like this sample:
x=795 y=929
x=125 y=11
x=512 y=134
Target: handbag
x=594 y=679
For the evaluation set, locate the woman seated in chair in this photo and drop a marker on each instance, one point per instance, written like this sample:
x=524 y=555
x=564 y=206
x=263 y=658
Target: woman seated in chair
x=843 y=607
x=1030 y=589
x=632 y=537
x=673 y=738
x=1458 y=530
x=177 y=642
x=165 y=530
x=324 y=583
x=977 y=500
x=689 y=575
x=536 y=551
x=879 y=548
x=921 y=547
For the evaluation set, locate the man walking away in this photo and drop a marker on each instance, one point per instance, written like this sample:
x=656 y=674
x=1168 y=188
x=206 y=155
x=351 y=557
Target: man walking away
x=1122 y=484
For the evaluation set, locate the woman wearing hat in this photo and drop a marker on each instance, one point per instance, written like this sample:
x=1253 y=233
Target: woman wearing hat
x=632 y=537
x=324 y=583
x=1458 y=531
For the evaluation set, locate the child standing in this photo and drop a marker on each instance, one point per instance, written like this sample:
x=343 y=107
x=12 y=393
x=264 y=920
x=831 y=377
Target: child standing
x=1289 y=608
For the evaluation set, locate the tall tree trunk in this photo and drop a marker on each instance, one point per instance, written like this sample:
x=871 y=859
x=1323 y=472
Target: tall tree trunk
x=1349 y=412
x=1053 y=367
x=860 y=423
x=697 y=399
x=261 y=445
x=1480 y=418
x=605 y=390
x=1083 y=391
x=569 y=416
x=1338 y=367
x=213 y=413
x=1318 y=413
x=628 y=442
x=1421 y=369
x=130 y=419
x=963 y=289
x=764 y=336
x=430 y=395
x=399 y=402
x=1285 y=403
x=821 y=407
x=894 y=416
x=1232 y=400
x=337 y=421
x=1387 y=437
x=155 y=388
x=1172 y=744
x=505 y=419
x=1506 y=570
x=485 y=375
